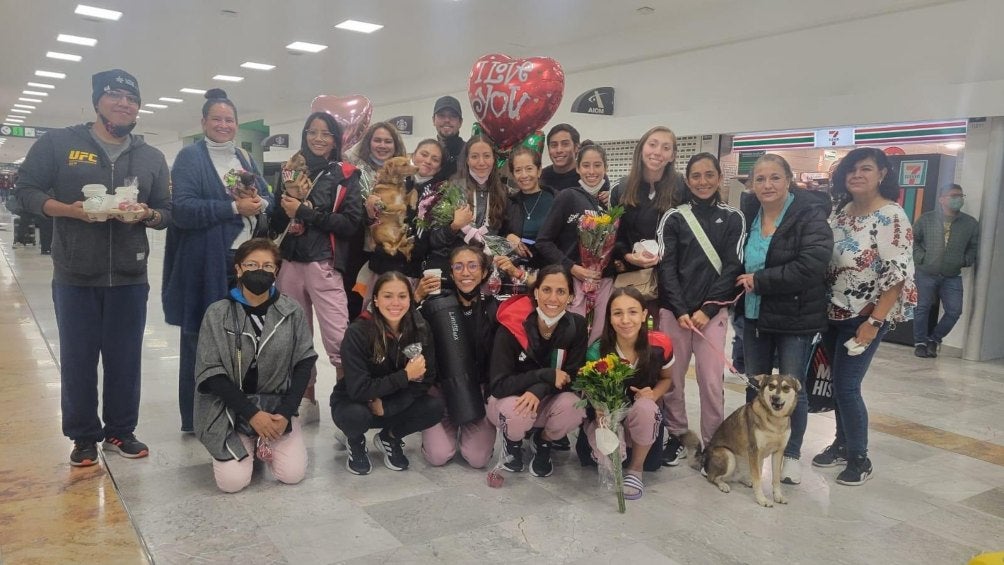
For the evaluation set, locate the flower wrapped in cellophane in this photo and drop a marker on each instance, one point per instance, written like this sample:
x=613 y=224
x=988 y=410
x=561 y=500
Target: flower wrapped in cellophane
x=601 y=384
x=597 y=234
x=435 y=209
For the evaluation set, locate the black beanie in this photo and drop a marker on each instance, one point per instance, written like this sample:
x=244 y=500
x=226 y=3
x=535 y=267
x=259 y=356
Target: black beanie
x=115 y=79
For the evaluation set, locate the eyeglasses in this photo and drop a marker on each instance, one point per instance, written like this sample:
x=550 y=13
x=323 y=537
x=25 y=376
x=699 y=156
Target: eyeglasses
x=118 y=96
x=471 y=266
x=253 y=266
x=319 y=133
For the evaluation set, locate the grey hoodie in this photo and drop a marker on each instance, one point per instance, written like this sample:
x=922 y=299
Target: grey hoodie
x=285 y=341
x=108 y=253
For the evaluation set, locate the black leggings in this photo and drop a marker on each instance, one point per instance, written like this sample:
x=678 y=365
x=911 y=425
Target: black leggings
x=355 y=418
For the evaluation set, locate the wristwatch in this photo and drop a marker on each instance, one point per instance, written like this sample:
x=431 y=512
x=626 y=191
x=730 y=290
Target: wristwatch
x=875 y=322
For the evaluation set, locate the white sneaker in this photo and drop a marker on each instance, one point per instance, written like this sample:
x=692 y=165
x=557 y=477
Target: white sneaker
x=791 y=471
x=309 y=411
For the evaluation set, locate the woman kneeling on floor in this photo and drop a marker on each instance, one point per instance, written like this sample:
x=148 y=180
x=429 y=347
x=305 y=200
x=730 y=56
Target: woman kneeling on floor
x=389 y=365
x=253 y=363
x=539 y=347
x=626 y=333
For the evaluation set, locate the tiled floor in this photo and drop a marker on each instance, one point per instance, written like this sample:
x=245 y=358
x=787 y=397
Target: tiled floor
x=937 y=442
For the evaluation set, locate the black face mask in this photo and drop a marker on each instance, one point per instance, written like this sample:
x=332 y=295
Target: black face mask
x=470 y=296
x=257 y=282
x=116 y=131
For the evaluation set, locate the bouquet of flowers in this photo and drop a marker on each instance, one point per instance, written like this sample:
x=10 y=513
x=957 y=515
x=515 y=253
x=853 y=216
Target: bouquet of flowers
x=597 y=233
x=240 y=184
x=435 y=209
x=601 y=384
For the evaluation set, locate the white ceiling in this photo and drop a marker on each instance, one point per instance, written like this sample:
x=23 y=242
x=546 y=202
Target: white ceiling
x=425 y=48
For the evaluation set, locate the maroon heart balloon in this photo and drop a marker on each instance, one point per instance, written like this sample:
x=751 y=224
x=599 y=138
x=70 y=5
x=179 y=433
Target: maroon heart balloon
x=512 y=98
x=353 y=113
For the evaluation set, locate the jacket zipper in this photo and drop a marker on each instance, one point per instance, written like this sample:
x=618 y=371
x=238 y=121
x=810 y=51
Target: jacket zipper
x=111 y=265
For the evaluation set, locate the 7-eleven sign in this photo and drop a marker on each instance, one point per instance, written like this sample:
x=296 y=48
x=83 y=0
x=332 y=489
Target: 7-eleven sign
x=913 y=173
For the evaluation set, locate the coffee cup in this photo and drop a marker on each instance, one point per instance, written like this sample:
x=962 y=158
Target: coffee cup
x=438 y=273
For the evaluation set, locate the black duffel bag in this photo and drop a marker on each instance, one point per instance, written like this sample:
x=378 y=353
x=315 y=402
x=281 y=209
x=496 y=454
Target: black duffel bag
x=454 y=366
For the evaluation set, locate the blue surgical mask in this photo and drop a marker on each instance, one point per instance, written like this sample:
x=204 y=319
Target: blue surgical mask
x=956 y=202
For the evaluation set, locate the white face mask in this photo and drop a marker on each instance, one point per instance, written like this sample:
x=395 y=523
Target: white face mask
x=548 y=320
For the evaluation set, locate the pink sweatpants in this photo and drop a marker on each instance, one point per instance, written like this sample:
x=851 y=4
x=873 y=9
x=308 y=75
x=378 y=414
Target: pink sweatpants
x=476 y=440
x=640 y=427
x=288 y=465
x=317 y=287
x=557 y=415
x=710 y=367
x=578 y=305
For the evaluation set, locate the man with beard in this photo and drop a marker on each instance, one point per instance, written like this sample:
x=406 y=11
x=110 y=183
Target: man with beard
x=448 y=118
x=99 y=280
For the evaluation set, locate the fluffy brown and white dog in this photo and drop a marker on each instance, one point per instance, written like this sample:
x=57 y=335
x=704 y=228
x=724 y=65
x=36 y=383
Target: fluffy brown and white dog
x=748 y=436
x=390 y=229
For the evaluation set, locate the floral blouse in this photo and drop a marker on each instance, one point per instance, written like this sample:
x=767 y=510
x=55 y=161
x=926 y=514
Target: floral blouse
x=871 y=254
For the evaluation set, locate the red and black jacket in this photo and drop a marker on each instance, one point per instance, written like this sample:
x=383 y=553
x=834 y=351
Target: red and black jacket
x=522 y=360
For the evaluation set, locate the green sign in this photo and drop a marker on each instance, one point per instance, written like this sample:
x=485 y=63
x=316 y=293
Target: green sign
x=746 y=160
x=913 y=173
x=22 y=131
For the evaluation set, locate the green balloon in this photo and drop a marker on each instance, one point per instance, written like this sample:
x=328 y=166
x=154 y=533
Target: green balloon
x=535 y=141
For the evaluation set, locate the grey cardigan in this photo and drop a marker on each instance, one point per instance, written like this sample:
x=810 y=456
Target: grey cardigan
x=285 y=341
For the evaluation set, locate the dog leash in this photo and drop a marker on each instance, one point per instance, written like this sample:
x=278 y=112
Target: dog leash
x=721 y=352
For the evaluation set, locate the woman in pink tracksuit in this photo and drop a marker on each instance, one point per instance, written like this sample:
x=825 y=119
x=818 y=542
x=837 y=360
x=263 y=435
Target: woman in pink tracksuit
x=650 y=353
x=537 y=350
x=315 y=246
x=701 y=243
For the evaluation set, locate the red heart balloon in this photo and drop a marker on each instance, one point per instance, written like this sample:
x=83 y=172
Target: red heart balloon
x=353 y=113
x=512 y=98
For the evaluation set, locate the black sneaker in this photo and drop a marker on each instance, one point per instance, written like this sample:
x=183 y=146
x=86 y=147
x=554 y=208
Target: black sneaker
x=540 y=465
x=920 y=350
x=832 y=456
x=673 y=452
x=358 y=462
x=512 y=456
x=859 y=470
x=127 y=446
x=563 y=444
x=84 y=454
x=932 y=349
x=393 y=451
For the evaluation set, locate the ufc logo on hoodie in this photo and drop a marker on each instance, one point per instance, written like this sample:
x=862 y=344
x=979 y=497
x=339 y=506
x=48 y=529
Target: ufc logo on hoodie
x=573 y=218
x=78 y=157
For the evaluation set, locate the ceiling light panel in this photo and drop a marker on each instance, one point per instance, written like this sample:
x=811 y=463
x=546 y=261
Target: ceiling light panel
x=258 y=66
x=28 y=106
x=34 y=93
x=228 y=78
x=20 y=111
x=167 y=99
x=63 y=56
x=77 y=40
x=41 y=85
x=50 y=74
x=361 y=27
x=306 y=47
x=192 y=90
x=158 y=106
x=35 y=100
x=142 y=111
x=100 y=13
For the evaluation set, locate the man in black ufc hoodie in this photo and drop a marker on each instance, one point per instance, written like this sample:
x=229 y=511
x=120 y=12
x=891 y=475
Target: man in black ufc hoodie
x=99 y=280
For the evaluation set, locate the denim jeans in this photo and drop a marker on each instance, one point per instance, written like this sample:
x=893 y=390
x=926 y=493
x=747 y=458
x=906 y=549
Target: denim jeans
x=929 y=287
x=792 y=353
x=848 y=371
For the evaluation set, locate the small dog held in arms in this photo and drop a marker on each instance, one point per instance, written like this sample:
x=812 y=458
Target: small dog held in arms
x=748 y=436
x=390 y=229
x=295 y=179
